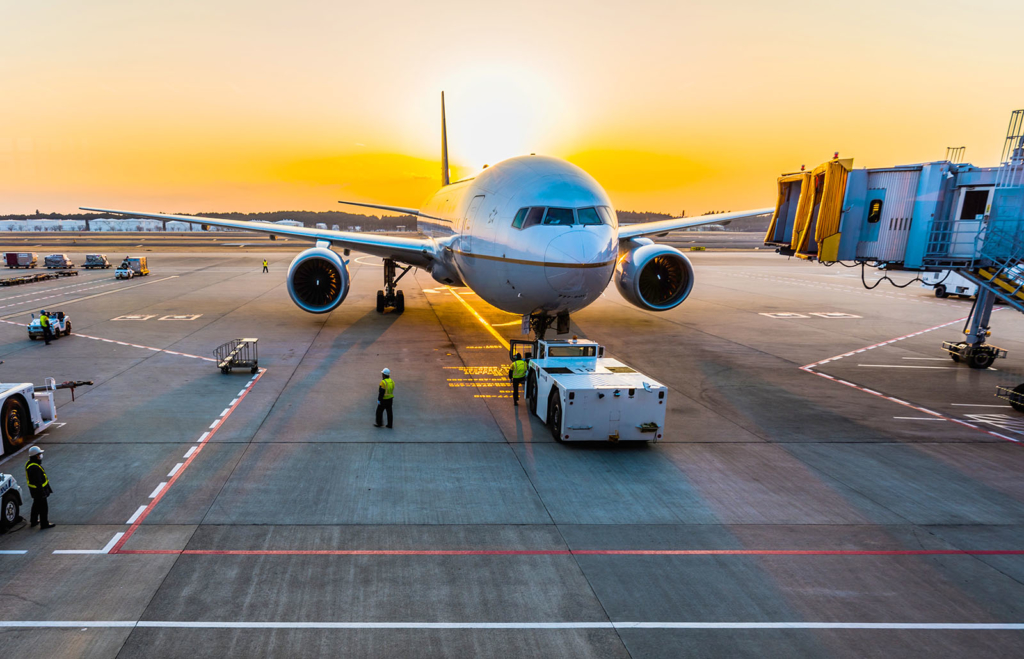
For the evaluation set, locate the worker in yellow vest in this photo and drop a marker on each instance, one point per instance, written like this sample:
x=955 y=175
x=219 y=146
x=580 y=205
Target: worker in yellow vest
x=39 y=486
x=518 y=376
x=385 y=397
x=44 y=323
x=265 y=268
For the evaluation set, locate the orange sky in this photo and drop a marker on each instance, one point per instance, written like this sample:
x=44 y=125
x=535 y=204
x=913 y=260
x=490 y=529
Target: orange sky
x=257 y=105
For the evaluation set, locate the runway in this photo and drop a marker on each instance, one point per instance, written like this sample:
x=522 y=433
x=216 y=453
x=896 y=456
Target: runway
x=830 y=484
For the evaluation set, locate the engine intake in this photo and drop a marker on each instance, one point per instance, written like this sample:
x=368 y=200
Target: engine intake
x=318 y=280
x=654 y=277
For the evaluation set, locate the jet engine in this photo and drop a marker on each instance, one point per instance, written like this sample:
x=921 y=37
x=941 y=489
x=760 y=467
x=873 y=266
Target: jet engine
x=318 y=280
x=654 y=277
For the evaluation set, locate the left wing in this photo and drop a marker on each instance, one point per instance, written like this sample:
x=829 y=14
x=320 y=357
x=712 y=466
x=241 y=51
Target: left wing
x=628 y=231
x=419 y=252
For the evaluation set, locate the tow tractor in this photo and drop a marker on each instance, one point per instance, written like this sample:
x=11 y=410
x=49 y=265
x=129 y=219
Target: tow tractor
x=60 y=325
x=584 y=396
x=27 y=409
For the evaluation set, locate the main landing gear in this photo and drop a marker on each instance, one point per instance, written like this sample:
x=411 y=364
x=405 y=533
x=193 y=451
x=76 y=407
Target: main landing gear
x=391 y=297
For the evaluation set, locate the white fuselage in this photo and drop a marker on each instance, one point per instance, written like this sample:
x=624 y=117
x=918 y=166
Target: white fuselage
x=540 y=268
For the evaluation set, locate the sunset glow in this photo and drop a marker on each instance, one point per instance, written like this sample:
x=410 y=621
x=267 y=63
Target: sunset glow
x=672 y=106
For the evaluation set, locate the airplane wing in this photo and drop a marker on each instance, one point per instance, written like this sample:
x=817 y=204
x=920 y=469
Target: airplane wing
x=628 y=231
x=419 y=252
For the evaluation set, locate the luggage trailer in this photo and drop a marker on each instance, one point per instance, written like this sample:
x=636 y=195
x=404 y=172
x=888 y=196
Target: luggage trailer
x=582 y=395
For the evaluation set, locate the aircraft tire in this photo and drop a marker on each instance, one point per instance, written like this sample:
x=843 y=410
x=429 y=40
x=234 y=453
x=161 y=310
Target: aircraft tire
x=399 y=301
x=380 y=301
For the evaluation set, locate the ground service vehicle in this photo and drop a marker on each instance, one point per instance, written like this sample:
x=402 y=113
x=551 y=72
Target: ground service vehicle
x=584 y=396
x=21 y=259
x=96 y=261
x=10 y=501
x=27 y=409
x=948 y=282
x=60 y=324
x=58 y=261
x=132 y=266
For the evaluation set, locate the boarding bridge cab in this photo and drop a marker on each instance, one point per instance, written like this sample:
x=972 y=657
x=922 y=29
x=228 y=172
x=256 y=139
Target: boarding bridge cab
x=584 y=396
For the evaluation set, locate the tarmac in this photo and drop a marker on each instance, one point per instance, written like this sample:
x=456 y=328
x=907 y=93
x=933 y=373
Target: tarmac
x=830 y=484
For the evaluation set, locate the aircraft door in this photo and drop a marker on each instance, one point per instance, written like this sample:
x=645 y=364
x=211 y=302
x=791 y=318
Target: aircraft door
x=469 y=221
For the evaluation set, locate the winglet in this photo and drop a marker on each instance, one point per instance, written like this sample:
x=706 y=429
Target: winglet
x=445 y=177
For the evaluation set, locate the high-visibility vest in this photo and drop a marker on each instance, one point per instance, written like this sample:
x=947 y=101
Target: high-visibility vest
x=519 y=369
x=388 y=385
x=46 y=480
x=264 y=263
x=44 y=321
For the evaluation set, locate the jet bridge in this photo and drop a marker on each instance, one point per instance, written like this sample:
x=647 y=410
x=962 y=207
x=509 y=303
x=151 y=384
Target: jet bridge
x=933 y=216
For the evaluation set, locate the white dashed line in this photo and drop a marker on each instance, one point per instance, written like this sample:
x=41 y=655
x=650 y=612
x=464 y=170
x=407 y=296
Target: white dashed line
x=202 y=438
x=131 y=520
x=189 y=452
x=157 y=490
x=173 y=471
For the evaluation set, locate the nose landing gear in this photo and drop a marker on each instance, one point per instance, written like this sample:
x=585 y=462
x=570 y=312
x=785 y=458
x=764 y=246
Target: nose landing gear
x=540 y=322
x=391 y=297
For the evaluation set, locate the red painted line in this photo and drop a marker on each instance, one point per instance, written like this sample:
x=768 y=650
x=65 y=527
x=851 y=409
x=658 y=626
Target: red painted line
x=580 y=552
x=199 y=447
x=899 y=338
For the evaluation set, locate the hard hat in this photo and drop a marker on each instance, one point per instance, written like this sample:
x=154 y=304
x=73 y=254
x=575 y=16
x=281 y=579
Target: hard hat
x=35 y=450
x=386 y=371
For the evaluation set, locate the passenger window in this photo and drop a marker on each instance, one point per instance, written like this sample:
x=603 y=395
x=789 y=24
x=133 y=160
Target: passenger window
x=520 y=216
x=606 y=215
x=588 y=216
x=874 y=211
x=533 y=217
x=561 y=217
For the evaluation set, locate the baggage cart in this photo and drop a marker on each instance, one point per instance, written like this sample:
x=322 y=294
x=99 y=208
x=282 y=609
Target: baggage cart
x=237 y=353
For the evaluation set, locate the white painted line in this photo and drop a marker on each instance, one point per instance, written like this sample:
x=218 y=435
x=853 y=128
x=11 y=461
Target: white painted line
x=214 y=424
x=871 y=391
x=202 y=624
x=1006 y=407
x=189 y=452
x=135 y=516
x=153 y=349
x=105 y=550
x=12 y=552
x=232 y=402
x=173 y=471
x=225 y=411
x=927 y=359
x=919 y=418
x=110 y=545
x=897 y=400
x=157 y=490
x=202 y=438
x=938 y=368
x=242 y=392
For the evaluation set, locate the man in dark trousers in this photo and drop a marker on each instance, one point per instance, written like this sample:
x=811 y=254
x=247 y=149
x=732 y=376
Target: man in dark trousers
x=265 y=268
x=518 y=376
x=44 y=322
x=39 y=486
x=385 y=397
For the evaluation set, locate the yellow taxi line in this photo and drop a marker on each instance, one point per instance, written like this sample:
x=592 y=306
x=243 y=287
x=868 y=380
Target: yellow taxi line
x=473 y=311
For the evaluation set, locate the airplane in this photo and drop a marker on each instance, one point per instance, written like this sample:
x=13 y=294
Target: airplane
x=531 y=235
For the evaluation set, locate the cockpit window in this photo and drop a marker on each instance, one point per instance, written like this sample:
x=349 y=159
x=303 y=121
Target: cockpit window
x=520 y=216
x=533 y=217
x=562 y=217
x=606 y=215
x=588 y=216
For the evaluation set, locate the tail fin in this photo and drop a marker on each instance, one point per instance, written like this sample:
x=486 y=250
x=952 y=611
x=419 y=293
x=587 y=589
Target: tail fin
x=445 y=177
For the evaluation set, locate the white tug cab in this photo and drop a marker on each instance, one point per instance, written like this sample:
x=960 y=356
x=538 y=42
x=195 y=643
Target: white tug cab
x=584 y=396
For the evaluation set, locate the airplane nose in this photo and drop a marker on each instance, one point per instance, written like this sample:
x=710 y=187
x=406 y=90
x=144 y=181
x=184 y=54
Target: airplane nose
x=573 y=259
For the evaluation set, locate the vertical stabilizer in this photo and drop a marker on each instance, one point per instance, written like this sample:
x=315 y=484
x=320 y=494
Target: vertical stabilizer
x=445 y=177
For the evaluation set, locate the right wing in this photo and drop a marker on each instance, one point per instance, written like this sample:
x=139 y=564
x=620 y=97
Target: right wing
x=627 y=231
x=419 y=252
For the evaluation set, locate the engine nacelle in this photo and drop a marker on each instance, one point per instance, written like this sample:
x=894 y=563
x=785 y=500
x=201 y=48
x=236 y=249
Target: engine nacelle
x=318 y=280
x=654 y=277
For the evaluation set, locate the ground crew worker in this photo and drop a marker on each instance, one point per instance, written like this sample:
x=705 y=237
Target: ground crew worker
x=39 y=486
x=518 y=376
x=44 y=322
x=265 y=268
x=385 y=397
